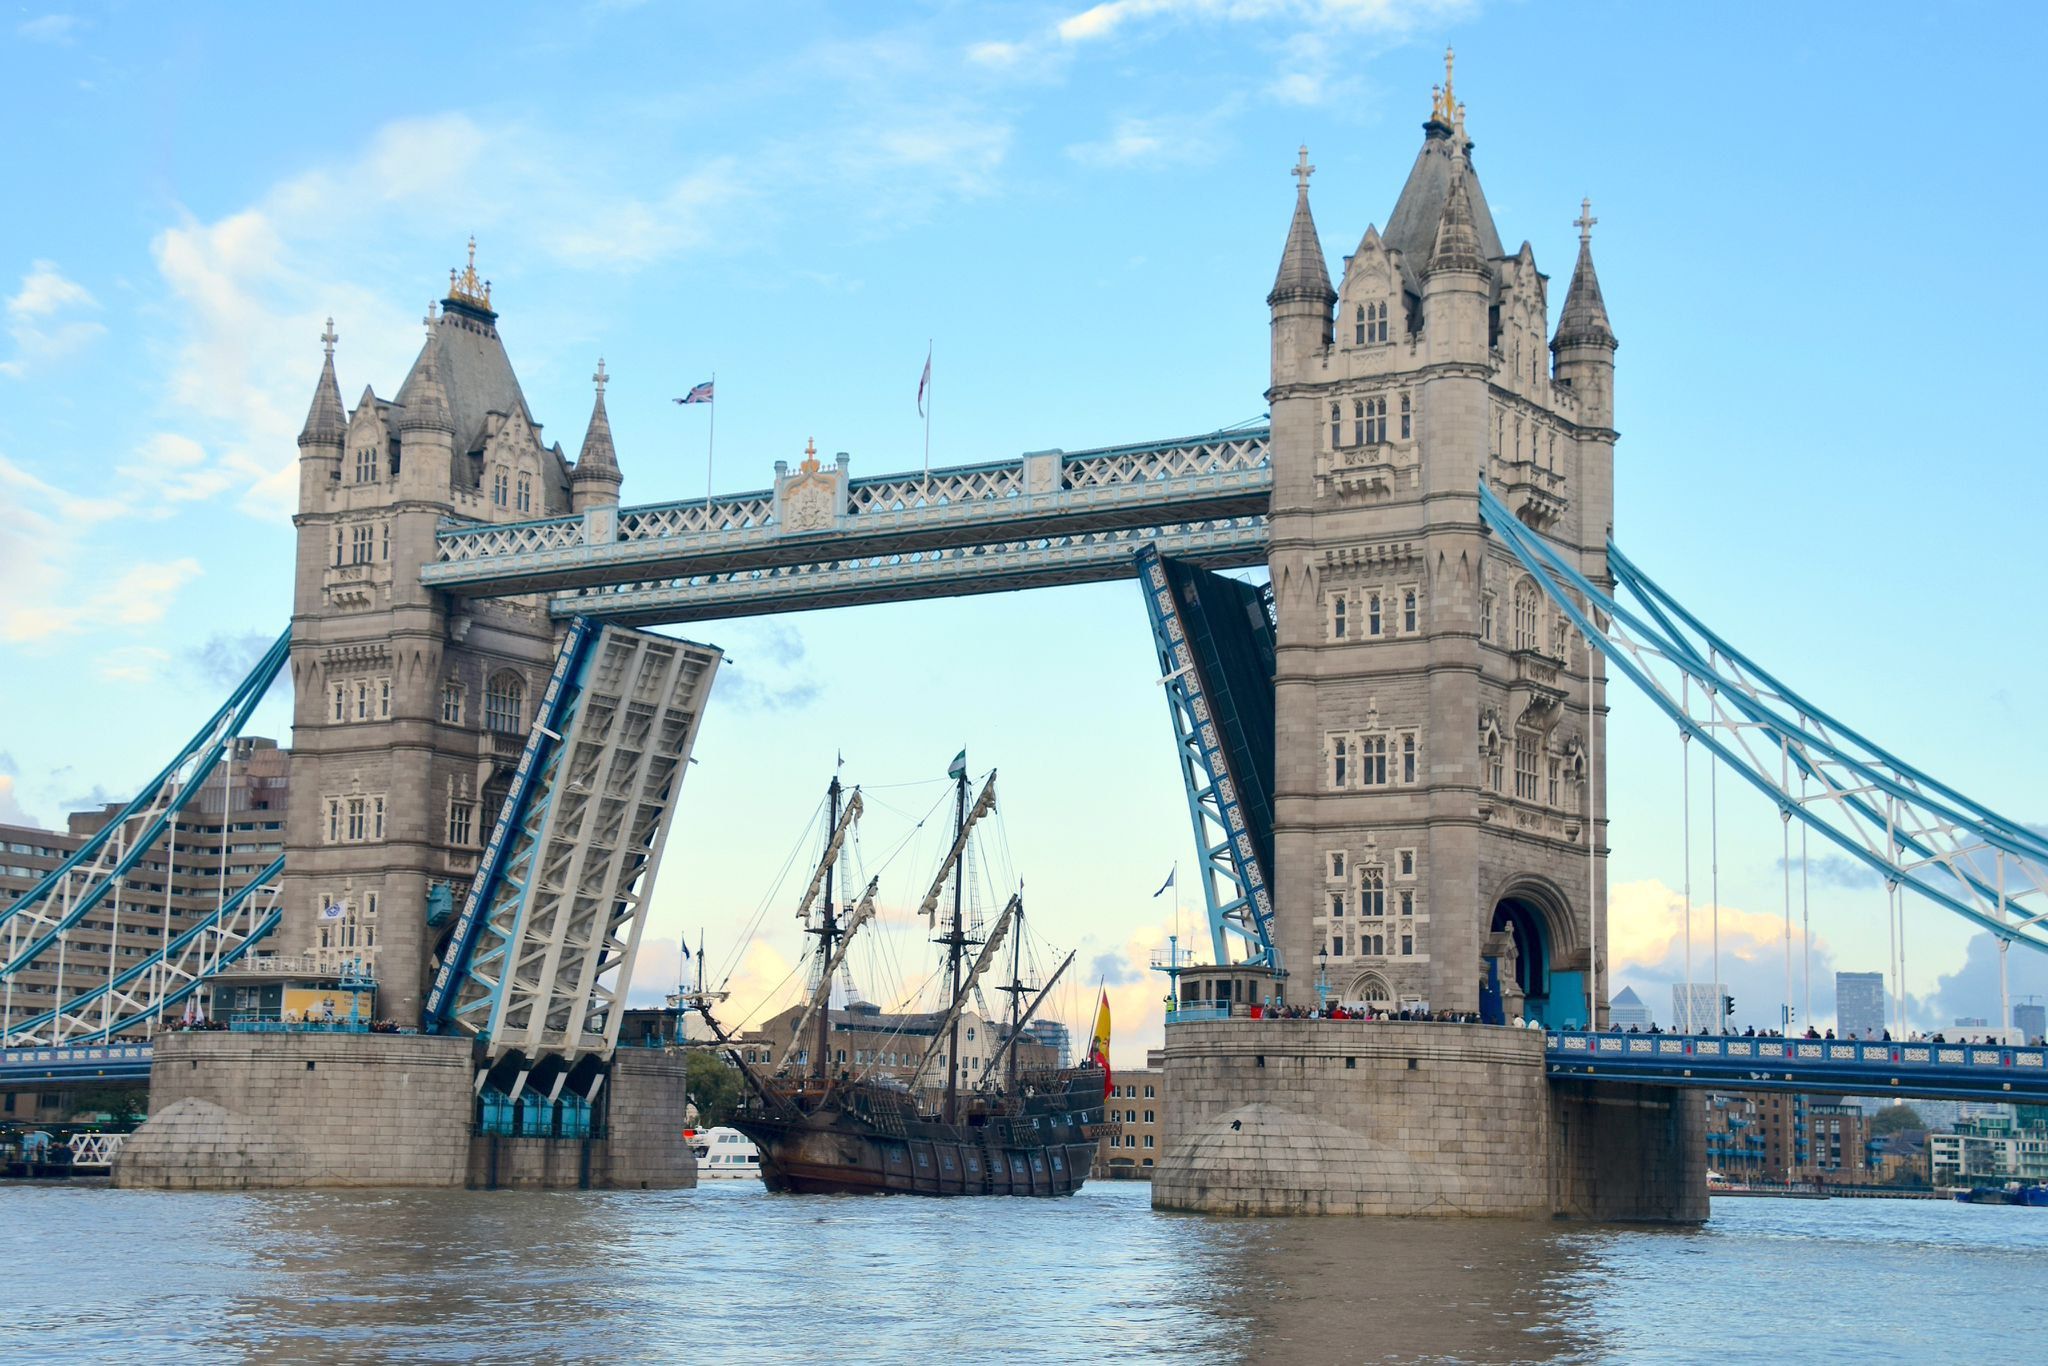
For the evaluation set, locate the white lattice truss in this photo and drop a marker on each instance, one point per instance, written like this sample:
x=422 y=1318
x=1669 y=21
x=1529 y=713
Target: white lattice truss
x=145 y=996
x=95 y=1152
x=555 y=956
x=893 y=525
x=1912 y=830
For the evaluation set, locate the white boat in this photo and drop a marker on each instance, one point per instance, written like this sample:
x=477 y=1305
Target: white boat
x=725 y=1153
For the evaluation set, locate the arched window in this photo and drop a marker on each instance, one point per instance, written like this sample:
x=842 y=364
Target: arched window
x=1382 y=335
x=505 y=704
x=1340 y=760
x=1486 y=617
x=1379 y=946
x=1408 y=758
x=366 y=465
x=1336 y=435
x=1357 y=422
x=1338 y=611
x=1408 y=611
x=1372 y=761
x=1376 y=421
x=1360 y=341
x=1525 y=615
x=524 y=497
x=1372 y=614
x=1407 y=417
x=1372 y=891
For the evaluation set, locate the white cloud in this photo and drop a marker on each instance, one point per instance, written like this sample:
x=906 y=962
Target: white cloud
x=132 y=663
x=1646 y=949
x=142 y=594
x=1148 y=142
x=11 y=812
x=50 y=28
x=36 y=321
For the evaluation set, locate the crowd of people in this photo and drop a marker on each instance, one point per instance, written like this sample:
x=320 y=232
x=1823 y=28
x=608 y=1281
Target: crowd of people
x=1371 y=1013
x=1879 y=1036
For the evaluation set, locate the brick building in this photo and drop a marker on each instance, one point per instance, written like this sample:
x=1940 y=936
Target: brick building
x=1137 y=1107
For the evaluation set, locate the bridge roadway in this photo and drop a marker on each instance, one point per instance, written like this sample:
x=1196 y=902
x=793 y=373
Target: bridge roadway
x=76 y=1065
x=821 y=538
x=1846 y=1067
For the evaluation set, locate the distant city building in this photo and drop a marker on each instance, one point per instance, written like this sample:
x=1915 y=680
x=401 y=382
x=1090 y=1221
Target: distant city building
x=1859 y=1004
x=2031 y=1021
x=1136 y=1106
x=1055 y=1036
x=1972 y=1022
x=1989 y=1148
x=1772 y=1136
x=866 y=1041
x=1706 y=1011
x=1627 y=1011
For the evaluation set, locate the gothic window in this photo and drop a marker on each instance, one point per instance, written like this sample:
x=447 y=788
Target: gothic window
x=500 y=486
x=525 y=494
x=1525 y=765
x=1407 y=417
x=376 y=818
x=383 y=699
x=1372 y=614
x=384 y=533
x=337 y=547
x=1556 y=773
x=1408 y=757
x=1336 y=429
x=361 y=543
x=1372 y=761
x=1358 y=425
x=1494 y=772
x=366 y=465
x=1338 y=611
x=1379 y=946
x=333 y=821
x=362 y=699
x=1404 y=863
x=1336 y=863
x=1408 y=903
x=1486 y=617
x=1360 y=341
x=461 y=822
x=1380 y=323
x=358 y=819
x=341 y=701
x=451 y=703
x=1337 y=904
x=1340 y=758
x=1408 y=610
x=1525 y=615
x=1372 y=892
x=1376 y=421
x=495 y=792
x=1337 y=946
x=505 y=704
x=1407 y=944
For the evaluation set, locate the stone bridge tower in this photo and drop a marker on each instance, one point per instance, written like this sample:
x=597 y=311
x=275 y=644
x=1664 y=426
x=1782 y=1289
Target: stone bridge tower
x=411 y=707
x=1439 y=747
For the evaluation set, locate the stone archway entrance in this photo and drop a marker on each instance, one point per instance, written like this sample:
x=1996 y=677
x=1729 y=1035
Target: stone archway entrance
x=1370 y=989
x=1525 y=949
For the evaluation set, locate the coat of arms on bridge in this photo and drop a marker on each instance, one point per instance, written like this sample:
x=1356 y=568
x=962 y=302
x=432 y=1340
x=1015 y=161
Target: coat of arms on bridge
x=813 y=497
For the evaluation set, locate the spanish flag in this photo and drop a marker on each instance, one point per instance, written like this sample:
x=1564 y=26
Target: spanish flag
x=1098 y=1046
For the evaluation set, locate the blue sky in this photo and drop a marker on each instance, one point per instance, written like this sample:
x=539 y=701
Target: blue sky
x=1811 y=241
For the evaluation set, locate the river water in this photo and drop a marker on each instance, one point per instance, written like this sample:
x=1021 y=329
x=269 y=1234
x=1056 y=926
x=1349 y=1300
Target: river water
x=729 y=1273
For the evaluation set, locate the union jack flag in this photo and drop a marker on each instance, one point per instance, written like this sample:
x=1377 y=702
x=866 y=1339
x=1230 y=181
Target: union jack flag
x=700 y=394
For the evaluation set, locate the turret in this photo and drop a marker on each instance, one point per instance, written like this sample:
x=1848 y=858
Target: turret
x=326 y=431
x=426 y=428
x=1457 y=282
x=1584 y=344
x=595 y=480
x=1301 y=298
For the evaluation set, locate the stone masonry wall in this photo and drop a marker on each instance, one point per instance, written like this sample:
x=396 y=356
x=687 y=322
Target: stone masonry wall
x=303 y=1110
x=649 y=1108
x=1278 y=1117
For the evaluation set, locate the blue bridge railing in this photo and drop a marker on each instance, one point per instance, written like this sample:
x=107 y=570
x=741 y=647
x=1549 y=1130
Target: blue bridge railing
x=1956 y=1071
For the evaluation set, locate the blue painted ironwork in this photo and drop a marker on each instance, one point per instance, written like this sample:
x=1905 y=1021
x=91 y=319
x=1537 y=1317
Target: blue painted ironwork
x=531 y=780
x=160 y=995
x=1886 y=814
x=1944 y=1071
x=1235 y=886
x=158 y=804
x=90 y=1063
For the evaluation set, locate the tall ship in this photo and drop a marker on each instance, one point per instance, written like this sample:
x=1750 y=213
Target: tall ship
x=832 y=1127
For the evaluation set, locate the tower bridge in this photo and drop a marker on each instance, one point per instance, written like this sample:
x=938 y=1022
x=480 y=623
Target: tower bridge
x=1393 y=749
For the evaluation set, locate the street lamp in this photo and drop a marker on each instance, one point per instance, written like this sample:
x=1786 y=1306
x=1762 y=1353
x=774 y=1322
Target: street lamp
x=1323 y=977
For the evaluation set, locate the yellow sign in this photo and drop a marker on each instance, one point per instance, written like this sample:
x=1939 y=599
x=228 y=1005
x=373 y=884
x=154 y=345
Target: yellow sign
x=318 y=1005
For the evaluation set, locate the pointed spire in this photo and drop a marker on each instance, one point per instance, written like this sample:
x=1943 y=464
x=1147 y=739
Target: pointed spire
x=1303 y=276
x=598 y=459
x=1584 y=319
x=426 y=402
x=326 y=420
x=1457 y=236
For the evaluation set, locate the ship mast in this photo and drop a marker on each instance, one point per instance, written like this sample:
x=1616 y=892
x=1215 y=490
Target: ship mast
x=956 y=948
x=828 y=935
x=1016 y=992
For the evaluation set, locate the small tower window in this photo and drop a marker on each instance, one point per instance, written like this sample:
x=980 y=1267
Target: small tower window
x=1336 y=863
x=1376 y=421
x=1337 y=905
x=524 y=500
x=1380 y=328
x=1407 y=417
x=1372 y=766
x=1336 y=440
x=500 y=487
x=1340 y=761
x=1407 y=903
x=1525 y=615
x=505 y=704
x=1486 y=617
x=1360 y=340
x=451 y=703
x=1338 y=612
x=1372 y=892
x=1408 y=611
x=366 y=465
x=1372 y=614
x=1408 y=769
x=1358 y=428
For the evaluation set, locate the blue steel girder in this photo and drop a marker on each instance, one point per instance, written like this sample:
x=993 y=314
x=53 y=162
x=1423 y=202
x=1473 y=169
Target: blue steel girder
x=1886 y=814
x=910 y=519
x=1235 y=887
x=1843 y=1067
x=68 y=892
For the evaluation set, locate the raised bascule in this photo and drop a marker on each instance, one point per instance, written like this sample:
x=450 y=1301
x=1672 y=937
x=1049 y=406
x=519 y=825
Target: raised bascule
x=1393 y=750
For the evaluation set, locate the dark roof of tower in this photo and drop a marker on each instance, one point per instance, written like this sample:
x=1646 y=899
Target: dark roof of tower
x=1411 y=229
x=1584 y=319
x=475 y=374
x=597 y=460
x=326 y=420
x=422 y=400
x=1302 y=272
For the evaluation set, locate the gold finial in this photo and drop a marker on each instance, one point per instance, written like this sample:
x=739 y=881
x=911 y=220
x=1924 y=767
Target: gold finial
x=600 y=377
x=1302 y=170
x=1585 y=221
x=465 y=287
x=1443 y=100
x=328 y=339
x=810 y=465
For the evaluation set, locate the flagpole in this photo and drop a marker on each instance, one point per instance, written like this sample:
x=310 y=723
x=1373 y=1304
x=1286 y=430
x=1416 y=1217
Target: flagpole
x=710 y=450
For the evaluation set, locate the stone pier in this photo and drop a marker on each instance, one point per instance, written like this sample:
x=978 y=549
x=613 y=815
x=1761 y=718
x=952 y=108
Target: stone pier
x=232 y=1111
x=1275 y=1117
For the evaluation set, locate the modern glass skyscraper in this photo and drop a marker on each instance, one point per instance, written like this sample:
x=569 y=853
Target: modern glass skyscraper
x=1859 y=1004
